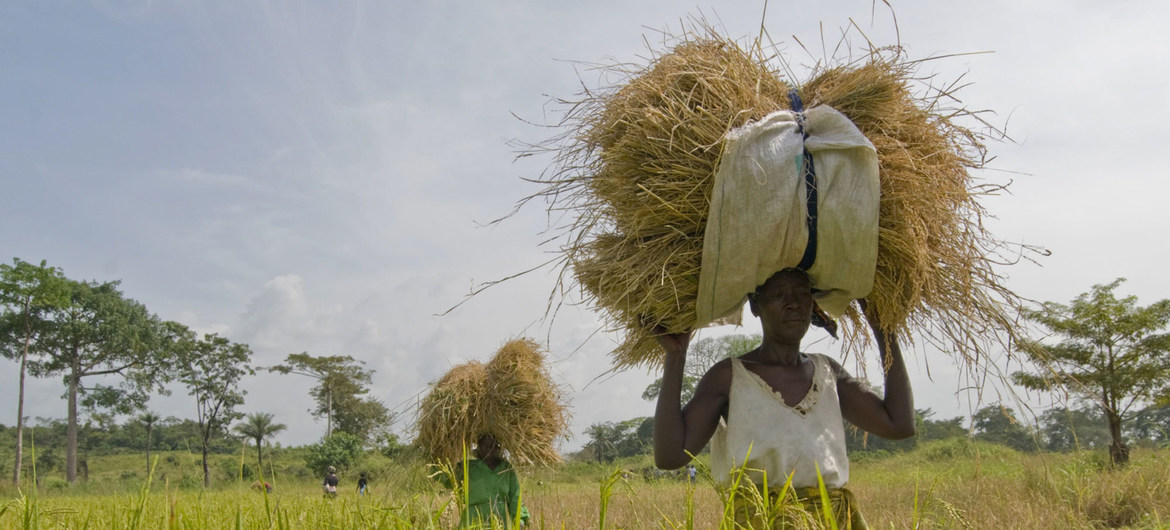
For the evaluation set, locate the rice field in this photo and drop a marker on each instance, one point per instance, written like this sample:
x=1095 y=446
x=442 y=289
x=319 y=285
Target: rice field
x=949 y=484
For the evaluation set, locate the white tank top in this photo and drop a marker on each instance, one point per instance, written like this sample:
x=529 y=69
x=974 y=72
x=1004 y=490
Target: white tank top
x=782 y=439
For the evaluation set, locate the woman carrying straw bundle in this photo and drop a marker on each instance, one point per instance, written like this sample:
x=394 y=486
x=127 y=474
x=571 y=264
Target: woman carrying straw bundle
x=511 y=402
x=663 y=177
x=493 y=491
x=776 y=412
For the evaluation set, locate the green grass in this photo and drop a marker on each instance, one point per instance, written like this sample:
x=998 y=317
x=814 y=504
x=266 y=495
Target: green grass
x=952 y=484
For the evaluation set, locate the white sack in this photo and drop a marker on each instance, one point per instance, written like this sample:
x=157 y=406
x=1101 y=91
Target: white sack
x=757 y=222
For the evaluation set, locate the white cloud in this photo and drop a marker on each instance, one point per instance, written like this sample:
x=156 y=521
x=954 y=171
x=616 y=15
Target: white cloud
x=279 y=315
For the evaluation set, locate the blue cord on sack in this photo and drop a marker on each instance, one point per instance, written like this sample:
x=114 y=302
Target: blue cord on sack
x=810 y=185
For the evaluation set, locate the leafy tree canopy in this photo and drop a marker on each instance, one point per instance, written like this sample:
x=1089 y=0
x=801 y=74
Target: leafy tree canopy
x=212 y=368
x=27 y=292
x=101 y=332
x=998 y=424
x=611 y=440
x=1063 y=429
x=341 y=394
x=1110 y=350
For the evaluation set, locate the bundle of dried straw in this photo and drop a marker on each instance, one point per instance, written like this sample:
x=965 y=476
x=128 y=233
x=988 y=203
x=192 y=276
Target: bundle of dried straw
x=637 y=163
x=451 y=416
x=525 y=404
x=513 y=397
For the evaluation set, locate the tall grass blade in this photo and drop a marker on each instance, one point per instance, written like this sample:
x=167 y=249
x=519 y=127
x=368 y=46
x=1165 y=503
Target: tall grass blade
x=519 y=508
x=728 y=520
x=30 y=516
x=916 y=515
x=240 y=477
x=607 y=485
x=465 y=488
x=826 y=503
x=689 y=513
x=138 y=516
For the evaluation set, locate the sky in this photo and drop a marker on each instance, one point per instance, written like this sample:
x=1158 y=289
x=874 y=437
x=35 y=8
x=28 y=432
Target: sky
x=321 y=177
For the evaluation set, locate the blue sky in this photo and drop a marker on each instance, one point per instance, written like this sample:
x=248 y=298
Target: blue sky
x=310 y=176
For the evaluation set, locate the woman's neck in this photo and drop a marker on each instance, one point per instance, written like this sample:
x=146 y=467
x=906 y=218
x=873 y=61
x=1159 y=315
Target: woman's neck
x=779 y=352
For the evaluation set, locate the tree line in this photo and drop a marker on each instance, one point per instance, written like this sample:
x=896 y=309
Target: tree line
x=101 y=436
x=84 y=331
x=1058 y=429
x=1109 y=353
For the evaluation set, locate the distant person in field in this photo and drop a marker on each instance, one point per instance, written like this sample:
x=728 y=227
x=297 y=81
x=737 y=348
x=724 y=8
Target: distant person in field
x=493 y=491
x=363 y=481
x=785 y=405
x=330 y=482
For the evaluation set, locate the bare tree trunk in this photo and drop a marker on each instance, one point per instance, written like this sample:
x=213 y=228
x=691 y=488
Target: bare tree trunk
x=329 y=413
x=20 y=416
x=206 y=471
x=71 y=431
x=1118 y=451
x=148 y=452
x=259 y=459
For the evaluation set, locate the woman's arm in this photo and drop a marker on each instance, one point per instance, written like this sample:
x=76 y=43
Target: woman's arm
x=680 y=432
x=892 y=415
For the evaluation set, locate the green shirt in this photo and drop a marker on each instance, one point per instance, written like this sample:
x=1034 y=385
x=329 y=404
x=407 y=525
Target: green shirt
x=490 y=493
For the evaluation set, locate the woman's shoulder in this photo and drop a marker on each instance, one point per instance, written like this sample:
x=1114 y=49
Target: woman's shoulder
x=715 y=383
x=828 y=361
x=719 y=374
x=721 y=368
x=832 y=366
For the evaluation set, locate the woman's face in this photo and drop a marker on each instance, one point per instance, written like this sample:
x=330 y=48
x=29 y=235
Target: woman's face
x=486 y=447
x=784 y=304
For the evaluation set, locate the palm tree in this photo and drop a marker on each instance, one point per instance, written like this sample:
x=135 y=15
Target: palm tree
x=148 y=419
x=259 y=426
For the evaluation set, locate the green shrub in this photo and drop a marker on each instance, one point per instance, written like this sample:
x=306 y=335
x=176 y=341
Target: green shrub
x=961 y=449
x=340 y=450
x=229 y=470
x=868 y=456
x=188 y=482
x=1090 y=461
